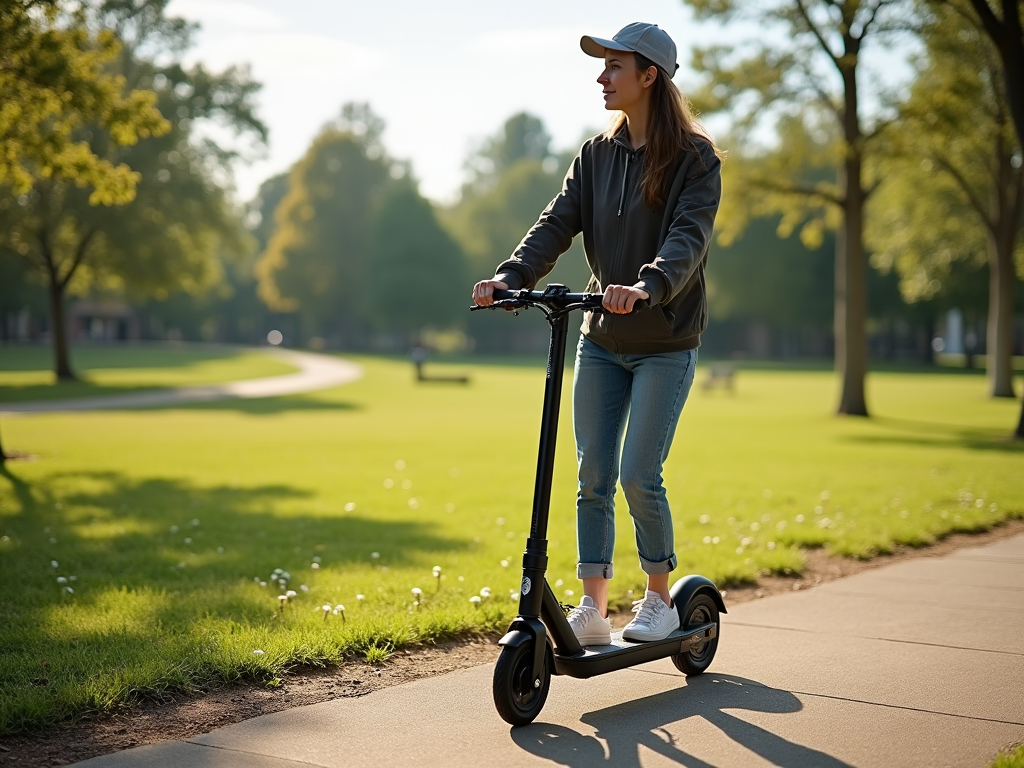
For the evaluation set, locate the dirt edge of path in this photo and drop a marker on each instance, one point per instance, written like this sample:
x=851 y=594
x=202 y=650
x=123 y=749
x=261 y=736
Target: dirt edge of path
x=182 y=717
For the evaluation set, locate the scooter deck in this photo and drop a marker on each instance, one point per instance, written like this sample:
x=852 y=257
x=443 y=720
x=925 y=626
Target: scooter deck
x=599 y=659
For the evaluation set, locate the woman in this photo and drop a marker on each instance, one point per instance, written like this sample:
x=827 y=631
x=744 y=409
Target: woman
x=644 y=194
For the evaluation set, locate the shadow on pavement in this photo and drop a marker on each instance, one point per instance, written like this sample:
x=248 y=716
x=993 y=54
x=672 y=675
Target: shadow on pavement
x=625 y=727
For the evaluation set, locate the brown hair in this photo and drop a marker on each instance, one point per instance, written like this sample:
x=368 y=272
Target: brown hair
x=670 y=132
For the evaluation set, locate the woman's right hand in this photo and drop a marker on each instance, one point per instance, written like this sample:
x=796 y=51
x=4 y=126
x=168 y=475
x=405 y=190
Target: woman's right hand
x=483 y=292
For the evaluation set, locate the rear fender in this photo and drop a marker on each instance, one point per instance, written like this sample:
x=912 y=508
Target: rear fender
x=689 y=587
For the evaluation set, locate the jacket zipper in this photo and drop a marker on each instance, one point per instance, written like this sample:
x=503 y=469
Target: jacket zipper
x=622 y=192
x=618 y=238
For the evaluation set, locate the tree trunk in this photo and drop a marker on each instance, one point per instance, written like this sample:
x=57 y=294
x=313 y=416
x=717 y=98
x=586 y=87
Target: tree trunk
x=851 y=272
x=59 y=330
x=1000 y=316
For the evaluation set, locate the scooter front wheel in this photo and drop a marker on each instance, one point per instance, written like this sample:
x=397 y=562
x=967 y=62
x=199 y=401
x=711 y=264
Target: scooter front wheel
x=700 y=610
x=519 y=697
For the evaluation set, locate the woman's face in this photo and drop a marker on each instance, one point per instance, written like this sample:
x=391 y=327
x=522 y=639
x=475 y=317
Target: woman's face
x=624 y=85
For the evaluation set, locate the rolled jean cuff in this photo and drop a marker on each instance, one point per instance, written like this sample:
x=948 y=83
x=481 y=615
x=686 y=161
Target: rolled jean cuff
x=664 y=566
x=594 y=570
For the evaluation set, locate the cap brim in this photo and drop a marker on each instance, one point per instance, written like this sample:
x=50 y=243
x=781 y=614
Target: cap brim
x=596 y=46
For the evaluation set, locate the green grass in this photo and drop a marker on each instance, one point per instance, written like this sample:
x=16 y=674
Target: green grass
x=25 y=372
x=1011 y=758
x=169 y=519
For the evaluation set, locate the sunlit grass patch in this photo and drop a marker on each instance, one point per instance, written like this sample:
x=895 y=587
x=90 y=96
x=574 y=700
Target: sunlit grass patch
x=184 y=528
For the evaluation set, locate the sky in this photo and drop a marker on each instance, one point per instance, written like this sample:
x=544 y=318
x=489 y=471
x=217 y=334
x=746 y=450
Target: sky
x=442 y=74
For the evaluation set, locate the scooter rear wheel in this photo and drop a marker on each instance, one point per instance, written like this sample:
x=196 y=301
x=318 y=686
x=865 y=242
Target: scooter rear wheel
x=700 y=610
x=517 y=696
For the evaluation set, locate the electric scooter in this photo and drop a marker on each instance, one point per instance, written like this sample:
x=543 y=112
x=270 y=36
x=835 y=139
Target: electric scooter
x=540 y=641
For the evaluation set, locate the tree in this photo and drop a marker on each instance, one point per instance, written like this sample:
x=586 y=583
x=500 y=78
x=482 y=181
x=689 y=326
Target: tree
x=954 y=187
x=1006 y=32
x=418 y=272
x=522 y=137
x=178 y=223
x=829 y=34
x=56 y=88
x=317 y=261
x=54 y=79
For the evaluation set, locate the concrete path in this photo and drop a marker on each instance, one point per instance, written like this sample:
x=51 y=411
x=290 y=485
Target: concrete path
x=916 y=664
x=315 y=372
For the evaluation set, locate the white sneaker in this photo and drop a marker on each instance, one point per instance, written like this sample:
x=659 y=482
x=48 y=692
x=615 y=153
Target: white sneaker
x=589 y=626
x=654 y=620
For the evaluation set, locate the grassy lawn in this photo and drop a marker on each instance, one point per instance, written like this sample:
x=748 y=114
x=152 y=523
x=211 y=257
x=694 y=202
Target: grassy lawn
x=166 y=523
x=1011 y=758
x=26 y=374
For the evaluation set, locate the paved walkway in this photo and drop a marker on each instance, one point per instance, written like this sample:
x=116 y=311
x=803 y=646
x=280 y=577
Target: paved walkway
x=315 y=372
x=916 y=664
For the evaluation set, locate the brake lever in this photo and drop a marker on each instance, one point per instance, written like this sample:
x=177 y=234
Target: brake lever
x=509 y=305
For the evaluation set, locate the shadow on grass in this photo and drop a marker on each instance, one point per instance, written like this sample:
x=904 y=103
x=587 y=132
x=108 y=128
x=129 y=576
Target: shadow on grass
x=67 y=390
x=927 y=434
x=643 y=722
x=265 y=406
x=152 y=557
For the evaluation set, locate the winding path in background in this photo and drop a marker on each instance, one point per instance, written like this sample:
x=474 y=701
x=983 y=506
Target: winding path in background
x=315 y=372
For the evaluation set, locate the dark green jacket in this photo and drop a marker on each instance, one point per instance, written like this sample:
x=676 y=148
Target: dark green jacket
x=663 y=250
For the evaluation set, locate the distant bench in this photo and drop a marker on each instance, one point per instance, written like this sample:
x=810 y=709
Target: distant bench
x=720 y=376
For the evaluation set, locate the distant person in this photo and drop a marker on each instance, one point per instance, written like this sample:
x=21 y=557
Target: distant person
x=644 y=194
x=418 y=355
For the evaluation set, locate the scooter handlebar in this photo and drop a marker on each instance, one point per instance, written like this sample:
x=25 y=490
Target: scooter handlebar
x=554 y=297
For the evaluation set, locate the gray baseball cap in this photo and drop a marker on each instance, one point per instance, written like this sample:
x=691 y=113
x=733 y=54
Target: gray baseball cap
x=646 y=39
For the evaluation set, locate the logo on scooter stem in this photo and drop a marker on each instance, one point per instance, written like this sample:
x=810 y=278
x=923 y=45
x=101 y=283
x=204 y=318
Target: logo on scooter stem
x=526 y=585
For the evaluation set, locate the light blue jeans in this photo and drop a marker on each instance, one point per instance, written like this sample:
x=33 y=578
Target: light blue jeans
x=607 y=388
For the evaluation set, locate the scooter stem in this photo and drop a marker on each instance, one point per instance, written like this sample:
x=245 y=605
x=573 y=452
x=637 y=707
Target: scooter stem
x=549 y=426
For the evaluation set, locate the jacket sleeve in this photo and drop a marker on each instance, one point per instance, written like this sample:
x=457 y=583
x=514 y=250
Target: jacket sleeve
x=548 y=239
x=689 y=232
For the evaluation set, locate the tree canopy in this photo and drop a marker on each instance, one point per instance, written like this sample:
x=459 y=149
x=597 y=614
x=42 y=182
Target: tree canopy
x=954 y=185
x=171 y=230
x=811 y=83
x=354 y=248
x=56 y=79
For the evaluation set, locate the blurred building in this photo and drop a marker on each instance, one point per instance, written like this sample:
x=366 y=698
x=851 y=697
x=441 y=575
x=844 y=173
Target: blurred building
x=102 y=321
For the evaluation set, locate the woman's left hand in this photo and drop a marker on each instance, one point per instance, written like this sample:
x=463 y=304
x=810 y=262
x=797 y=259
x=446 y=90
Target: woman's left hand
x=619 y=299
